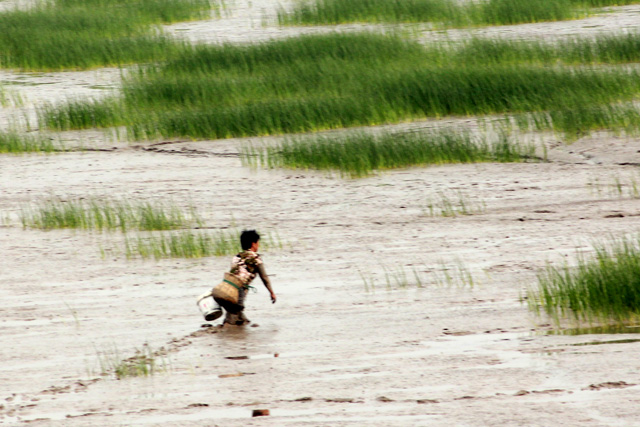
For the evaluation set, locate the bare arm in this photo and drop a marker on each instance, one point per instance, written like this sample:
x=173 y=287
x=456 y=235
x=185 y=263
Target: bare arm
x=267 y=283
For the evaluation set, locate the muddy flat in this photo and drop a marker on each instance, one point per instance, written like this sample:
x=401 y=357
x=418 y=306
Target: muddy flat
x=388 y=312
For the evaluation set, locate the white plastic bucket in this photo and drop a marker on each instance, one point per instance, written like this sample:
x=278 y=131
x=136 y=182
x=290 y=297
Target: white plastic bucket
x=209 y=307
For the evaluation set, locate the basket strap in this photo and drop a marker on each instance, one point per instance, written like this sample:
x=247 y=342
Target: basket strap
x=232 y=284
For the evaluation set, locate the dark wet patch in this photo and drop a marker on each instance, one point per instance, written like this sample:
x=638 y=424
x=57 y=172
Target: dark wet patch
x=384 y=399
x=197 y=405
x=550 y=391
x=609 y=385
x=78 y=386
x=237 y=357
x=423 y=401
x=446 y=331
x=342 y=400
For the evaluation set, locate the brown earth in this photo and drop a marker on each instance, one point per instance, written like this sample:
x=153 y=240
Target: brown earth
x=334 y=350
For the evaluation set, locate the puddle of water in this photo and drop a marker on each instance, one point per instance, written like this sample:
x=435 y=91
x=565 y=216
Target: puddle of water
x=595 y=330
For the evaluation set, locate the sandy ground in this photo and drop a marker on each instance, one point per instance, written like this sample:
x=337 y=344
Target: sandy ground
x=333 y=351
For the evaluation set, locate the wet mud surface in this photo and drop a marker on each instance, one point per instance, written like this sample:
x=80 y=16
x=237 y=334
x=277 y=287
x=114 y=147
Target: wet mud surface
x=336 y=349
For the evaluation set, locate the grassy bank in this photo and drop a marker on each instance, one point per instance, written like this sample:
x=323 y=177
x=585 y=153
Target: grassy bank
x=102 y=214
x=16 y=143
x=449 y=13
x=359 y=154
x=339 y=80
x=605 y=288
x=83 y=34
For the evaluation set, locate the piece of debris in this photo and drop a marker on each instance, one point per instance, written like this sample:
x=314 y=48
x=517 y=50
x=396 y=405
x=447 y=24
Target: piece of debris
x=238 y=374
x=260 y=413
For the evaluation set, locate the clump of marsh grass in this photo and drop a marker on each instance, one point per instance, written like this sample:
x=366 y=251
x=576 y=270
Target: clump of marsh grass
x=454 y=275
x=581 y=119
x=447 y=205
x=192 y=244
x=403 y=278
x=358 y=154
x=9 y=98
x=144 y=363
x=104 y=214
x=394 y=278
x=440 y=12
x=616 y=187
x=601 y=49
x=604 y=288
x=62 y=34
x=16 y=143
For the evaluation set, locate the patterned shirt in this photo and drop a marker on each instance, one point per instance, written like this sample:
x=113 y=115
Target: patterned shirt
x=245 y=266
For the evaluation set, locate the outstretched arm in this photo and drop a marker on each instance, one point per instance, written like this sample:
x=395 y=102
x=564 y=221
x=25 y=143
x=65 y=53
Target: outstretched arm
x=267 y=283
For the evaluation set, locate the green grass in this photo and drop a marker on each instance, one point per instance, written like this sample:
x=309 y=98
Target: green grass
x=399 y=278
x=580 y=120
x=604 y=288
x=441 y=12
x=104 y=214
x=628 y=187
x=452 y=205
x=84 y=34
x=358 y=154
x=333 y=81
x=16 y=143
x=602 y=49
x=192 y=244
x=144 y=363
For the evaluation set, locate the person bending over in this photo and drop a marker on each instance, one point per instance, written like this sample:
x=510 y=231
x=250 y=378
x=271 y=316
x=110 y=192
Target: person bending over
x=245 y=266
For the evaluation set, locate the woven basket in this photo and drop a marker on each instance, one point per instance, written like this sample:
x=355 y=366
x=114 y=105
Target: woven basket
x=228 y=289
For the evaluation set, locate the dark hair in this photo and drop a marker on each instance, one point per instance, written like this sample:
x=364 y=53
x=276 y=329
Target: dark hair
x=247 y=238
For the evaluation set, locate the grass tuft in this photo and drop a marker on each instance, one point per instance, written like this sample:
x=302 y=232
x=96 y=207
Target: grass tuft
x=440 y=12
x=604 y=288
x=358 y=154
x=101 y=214
x=144 y=363
x=449 y=206
x=192 y=244
x=15 y=143
x=580 y=120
